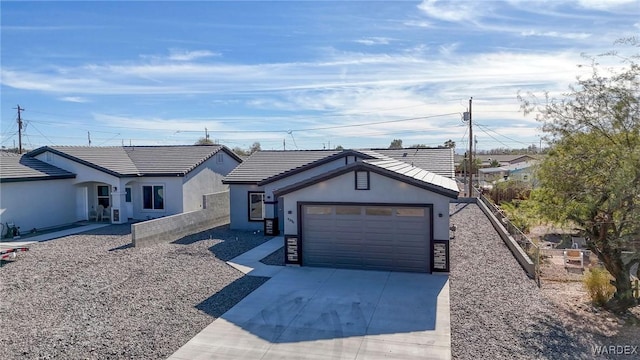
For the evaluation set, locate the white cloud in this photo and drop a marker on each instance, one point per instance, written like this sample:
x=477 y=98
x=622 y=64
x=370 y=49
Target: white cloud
x=418 y=23
x=185 y=55
x=374 y=41
x=555 y=34
x=454 y=11
x=605 y=4
x=76 y=99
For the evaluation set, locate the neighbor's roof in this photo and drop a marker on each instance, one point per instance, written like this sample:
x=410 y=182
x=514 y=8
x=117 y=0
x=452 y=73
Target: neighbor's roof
x=265 y=166
x=17 y=168
x=391 y=168
x=139 y=160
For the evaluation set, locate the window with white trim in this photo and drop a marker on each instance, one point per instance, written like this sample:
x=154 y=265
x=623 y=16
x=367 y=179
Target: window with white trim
x=153 y=197
x=362 y=180
x=256 y=206
x=103 y=196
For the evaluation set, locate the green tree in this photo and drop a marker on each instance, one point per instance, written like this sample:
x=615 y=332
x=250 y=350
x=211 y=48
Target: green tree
x=240 y=151
x=396 y=144
x=418 y=146
x=450 y=144
x=204 y=141
x=339 y=148
x=494 y=163
x=254 y=147
x=591 y=175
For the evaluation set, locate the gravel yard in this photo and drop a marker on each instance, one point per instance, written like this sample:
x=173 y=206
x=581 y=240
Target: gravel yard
x=497 y=312
x=92 y=296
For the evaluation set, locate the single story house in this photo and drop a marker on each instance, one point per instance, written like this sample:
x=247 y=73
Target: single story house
x=125 y=182
x=352 y=208
x=521 y=171
x=32 y=191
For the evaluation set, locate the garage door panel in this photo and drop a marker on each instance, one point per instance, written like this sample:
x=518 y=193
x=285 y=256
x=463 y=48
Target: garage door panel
x=366 y=237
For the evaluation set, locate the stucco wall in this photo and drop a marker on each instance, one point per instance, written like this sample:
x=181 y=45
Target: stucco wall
x=38 y=204
x=172 y=197
x=292 y=179
x=382 y=190
x=206 y=179
x=174 y=227
x=239 y=201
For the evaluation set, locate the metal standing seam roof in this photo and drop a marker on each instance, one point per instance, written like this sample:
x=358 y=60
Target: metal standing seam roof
x=17 y=168
x=436 y=160
x=415 y=173
x=137 y=160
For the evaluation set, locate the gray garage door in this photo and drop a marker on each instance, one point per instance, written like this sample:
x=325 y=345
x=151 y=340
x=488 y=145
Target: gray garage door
x=366 y=237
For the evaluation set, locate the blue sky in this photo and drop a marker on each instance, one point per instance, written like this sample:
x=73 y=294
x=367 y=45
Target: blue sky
x=309 y=74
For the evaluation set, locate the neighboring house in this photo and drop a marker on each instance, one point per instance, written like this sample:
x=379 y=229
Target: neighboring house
x=134 y=182
x=32 y=192
x=351 y=208
x=521 y=171
x=503 y=160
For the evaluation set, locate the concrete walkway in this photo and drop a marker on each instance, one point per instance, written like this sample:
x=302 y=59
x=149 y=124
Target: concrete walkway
x=324 y=313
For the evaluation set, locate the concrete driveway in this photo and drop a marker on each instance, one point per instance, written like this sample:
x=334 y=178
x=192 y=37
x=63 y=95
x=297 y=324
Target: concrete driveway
x=320 y=313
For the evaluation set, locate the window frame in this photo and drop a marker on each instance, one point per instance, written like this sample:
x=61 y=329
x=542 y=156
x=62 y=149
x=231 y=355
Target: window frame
x=368 y=179
x=153 y=194
x=249 y=215
x=107 y=197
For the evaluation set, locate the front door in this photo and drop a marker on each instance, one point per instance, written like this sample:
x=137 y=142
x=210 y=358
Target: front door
x=82 y=203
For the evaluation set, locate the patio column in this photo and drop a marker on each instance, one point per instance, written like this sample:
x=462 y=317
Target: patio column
x=118 y=209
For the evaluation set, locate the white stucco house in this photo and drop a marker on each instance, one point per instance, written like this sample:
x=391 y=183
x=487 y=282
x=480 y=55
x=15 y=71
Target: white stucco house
x=128 y=182
x=353 y=209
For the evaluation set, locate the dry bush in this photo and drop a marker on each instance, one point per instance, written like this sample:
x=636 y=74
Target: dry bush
x=598 y=285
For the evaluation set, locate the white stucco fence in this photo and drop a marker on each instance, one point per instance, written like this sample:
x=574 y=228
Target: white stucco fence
x=215 y=212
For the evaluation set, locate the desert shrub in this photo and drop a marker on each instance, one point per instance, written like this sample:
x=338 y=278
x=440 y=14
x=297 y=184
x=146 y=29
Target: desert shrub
x=598 y=285
x=507 y=191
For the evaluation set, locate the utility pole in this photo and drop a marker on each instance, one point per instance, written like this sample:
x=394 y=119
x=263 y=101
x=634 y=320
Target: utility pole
x=19 y=129
x=89 y=137
x=470 y=151
x=206 y=134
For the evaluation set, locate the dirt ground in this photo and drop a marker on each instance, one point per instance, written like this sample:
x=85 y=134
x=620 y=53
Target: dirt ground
x=564 y=288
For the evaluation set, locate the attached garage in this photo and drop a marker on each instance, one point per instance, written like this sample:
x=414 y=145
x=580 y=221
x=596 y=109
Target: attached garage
x=376 y=215
x=362 y=236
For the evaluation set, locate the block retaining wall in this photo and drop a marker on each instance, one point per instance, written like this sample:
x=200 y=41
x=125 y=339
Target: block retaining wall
x=215 y=212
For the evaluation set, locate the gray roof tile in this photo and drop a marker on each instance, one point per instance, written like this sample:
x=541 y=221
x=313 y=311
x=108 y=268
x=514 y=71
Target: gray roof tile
x=137 y=160
x=15 y=168
x=263 y=165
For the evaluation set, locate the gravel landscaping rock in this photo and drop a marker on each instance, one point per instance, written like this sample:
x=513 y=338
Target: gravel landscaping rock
x=497 y=312
x=275 y=258
x=93 y=296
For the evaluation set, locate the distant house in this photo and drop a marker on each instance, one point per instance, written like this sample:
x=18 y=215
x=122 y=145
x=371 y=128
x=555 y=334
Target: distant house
x=502 y=160
x=520 y=171
x=351 y=208
x=128 y=182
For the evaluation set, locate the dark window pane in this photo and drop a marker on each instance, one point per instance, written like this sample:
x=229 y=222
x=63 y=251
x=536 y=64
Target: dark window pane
x=147 y=197
x=103 y=190
x=104 y=202
x=128 y=195
x=256 y=203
